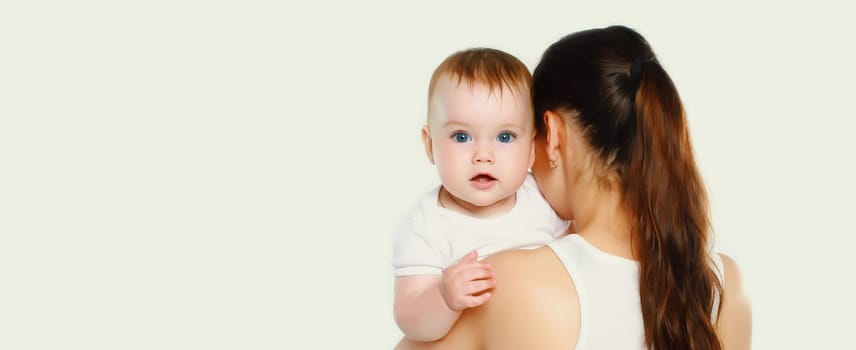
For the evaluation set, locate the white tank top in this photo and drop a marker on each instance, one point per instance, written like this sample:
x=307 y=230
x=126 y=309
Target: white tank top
x=608 y=292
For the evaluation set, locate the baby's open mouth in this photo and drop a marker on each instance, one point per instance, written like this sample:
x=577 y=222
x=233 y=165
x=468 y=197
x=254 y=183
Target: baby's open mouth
x=483 y=178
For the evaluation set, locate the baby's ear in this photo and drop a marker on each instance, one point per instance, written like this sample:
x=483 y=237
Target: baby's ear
x=532 y=154
x=426 y=140
x=532 y=151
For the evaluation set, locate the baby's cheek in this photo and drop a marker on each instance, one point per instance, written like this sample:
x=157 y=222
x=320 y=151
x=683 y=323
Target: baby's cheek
x=449 y=161
x=449 y=156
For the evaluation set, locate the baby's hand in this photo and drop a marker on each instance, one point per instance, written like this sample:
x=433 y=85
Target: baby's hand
x=461 y=282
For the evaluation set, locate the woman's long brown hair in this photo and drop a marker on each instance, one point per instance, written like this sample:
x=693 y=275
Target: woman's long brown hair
x=634 y=121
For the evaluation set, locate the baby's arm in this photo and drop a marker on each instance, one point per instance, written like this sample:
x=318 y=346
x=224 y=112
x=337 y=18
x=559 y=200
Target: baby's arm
x=420 y=310
x=426 y=306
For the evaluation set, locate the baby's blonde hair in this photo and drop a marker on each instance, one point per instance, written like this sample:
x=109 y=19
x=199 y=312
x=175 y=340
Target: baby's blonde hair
x=494 y=68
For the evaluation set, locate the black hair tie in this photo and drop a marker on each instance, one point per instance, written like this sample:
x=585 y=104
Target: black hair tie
x=636 y=79
x=636 y=70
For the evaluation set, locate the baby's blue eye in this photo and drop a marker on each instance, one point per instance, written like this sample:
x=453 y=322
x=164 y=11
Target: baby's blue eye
x=505 y=137
x=461 y=137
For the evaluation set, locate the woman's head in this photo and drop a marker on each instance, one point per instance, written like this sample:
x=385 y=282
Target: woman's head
x=586 y=78
x=623 y=129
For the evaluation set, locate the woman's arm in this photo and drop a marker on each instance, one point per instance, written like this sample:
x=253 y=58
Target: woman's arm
x=735 y=317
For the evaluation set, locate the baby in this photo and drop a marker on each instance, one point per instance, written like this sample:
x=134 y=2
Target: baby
x=479 y=135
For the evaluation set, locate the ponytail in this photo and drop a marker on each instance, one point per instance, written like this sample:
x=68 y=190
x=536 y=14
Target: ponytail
x=677 y=285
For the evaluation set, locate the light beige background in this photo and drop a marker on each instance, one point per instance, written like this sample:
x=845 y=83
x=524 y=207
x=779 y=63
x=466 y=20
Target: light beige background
x=227 y=175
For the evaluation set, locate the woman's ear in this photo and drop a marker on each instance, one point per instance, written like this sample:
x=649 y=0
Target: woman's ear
x=555 y=134
x=429 y=145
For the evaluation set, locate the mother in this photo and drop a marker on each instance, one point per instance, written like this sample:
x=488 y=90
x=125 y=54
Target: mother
x=612 y=153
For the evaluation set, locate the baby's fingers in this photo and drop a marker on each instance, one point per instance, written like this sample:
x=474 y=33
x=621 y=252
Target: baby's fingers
x=476 y=300
x=476 y=273
x=477 y=286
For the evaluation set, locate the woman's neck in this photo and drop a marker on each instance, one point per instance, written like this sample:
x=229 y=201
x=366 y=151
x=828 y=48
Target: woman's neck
x=605 y=223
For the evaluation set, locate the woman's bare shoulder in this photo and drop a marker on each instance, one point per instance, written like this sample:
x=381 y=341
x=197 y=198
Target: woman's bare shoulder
x=534 y=303
x=534 y=306
x=530 y=271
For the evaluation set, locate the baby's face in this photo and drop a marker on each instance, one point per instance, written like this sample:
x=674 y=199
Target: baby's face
x=481 y=140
